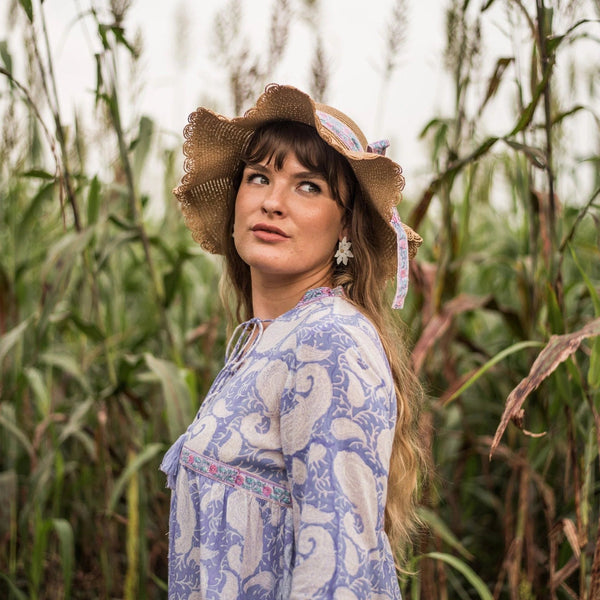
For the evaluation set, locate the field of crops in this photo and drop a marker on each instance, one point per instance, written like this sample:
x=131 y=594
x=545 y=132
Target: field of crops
x=111 y=328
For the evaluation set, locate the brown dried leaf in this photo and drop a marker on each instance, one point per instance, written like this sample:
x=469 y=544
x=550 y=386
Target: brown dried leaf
x=495 y=79
x=439 y=324
x=533 y=434
x=564 y=572
x=423 y=276
x=558 y=349
x=571 y=535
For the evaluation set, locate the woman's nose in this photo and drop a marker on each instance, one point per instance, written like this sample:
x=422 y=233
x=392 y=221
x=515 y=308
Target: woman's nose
x=273 y=201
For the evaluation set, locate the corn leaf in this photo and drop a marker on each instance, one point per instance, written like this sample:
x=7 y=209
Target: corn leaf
x=68 y=365
x=93 y=201
x=8 y=421
x=147 y=454
x=13 y=336
x=41 y=392
x=176 y=393
x=66 y=545
x=133 y=534
x=28 y=8
x=460 y=566
x=14 y=590
x=490 y=363
x=439 y=528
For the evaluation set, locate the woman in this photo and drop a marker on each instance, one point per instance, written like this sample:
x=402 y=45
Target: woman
x=304 y=452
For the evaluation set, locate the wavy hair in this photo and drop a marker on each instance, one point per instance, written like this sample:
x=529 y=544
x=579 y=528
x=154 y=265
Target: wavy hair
x=363 y=280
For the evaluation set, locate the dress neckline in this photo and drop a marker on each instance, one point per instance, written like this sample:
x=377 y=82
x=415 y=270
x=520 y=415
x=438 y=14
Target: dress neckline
x=247 y=334
x=320 y=292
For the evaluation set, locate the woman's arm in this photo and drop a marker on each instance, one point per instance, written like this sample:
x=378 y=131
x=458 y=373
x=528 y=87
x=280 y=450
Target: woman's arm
x=337 y=422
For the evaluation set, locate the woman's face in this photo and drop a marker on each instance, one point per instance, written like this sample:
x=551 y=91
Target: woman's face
x=287 y=223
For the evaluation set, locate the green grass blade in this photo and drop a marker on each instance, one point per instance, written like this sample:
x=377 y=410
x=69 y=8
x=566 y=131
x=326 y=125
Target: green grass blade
x=66 y=543
x=10 y=338
x=490 y=363
x=147 y=454
x=465 y=570
x=442 y=530
x=175 y=390
x=14 y=590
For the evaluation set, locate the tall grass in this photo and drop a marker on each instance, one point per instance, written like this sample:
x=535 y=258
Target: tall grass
x=108 y=342
x=514 y=275
x=111 y=328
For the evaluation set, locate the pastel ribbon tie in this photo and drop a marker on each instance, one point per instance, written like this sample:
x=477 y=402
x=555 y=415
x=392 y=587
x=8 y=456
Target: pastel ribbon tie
x=349 y=139
x=402 y=258
x=378 y=147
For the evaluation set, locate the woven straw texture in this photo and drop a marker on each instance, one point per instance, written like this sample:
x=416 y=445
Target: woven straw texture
x=213 y=146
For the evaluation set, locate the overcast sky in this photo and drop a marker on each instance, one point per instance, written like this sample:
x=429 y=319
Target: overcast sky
x=354 y=43
x=170 y=86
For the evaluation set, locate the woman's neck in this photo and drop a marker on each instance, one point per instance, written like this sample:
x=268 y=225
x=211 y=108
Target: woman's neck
x=274 y=296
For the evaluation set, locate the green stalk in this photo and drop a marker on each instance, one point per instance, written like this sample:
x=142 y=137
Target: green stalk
x=136 y=211
x=547 y=61
x=54 y=105
x=133 y=534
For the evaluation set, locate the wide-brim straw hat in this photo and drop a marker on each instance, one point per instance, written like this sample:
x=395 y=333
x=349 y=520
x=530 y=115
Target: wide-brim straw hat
x=214 y=145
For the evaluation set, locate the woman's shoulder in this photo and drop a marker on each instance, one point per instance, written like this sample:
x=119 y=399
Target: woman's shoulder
x=338 y=322
x=337 y=336
x=324 y=321
x=337 y=313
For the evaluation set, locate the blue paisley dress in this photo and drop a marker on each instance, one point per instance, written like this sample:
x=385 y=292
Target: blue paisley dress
x=279 y=484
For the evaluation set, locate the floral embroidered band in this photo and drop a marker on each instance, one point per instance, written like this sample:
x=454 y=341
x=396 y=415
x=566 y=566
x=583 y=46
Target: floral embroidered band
x=235 y=477
x=322 y=292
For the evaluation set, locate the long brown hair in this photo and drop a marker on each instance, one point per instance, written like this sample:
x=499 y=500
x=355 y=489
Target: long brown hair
x=363 y=280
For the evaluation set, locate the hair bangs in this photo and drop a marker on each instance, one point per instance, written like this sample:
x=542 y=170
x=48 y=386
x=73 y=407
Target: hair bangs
x=273 y=141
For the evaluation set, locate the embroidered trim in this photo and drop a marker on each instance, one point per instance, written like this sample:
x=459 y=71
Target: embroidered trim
x=322 y=292
x=235 y=477
x=340 y=130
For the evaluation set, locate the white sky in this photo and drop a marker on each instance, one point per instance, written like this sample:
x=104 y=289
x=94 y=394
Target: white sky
x=168 y=90
x=355 y=32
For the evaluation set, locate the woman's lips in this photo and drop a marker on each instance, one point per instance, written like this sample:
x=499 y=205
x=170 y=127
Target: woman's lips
x=268 y=233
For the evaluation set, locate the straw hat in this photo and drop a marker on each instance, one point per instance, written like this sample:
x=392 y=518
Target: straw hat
x=214 y=144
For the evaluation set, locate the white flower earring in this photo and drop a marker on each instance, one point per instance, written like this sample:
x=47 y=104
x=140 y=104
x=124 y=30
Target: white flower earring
x=344 y=253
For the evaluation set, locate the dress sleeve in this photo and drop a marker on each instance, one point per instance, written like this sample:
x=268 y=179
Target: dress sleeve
x=337 y=422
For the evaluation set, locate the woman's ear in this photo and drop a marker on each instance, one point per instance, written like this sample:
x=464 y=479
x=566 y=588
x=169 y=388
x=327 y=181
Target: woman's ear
x=345 y=231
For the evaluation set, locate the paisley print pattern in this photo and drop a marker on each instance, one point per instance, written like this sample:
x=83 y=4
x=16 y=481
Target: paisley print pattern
x=279 y=484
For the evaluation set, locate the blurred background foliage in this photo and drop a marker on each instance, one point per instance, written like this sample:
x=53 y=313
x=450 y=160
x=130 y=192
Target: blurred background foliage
x=111 y=328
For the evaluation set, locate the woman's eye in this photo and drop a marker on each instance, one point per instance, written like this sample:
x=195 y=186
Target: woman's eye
x=257 y=178
x=310 y=187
